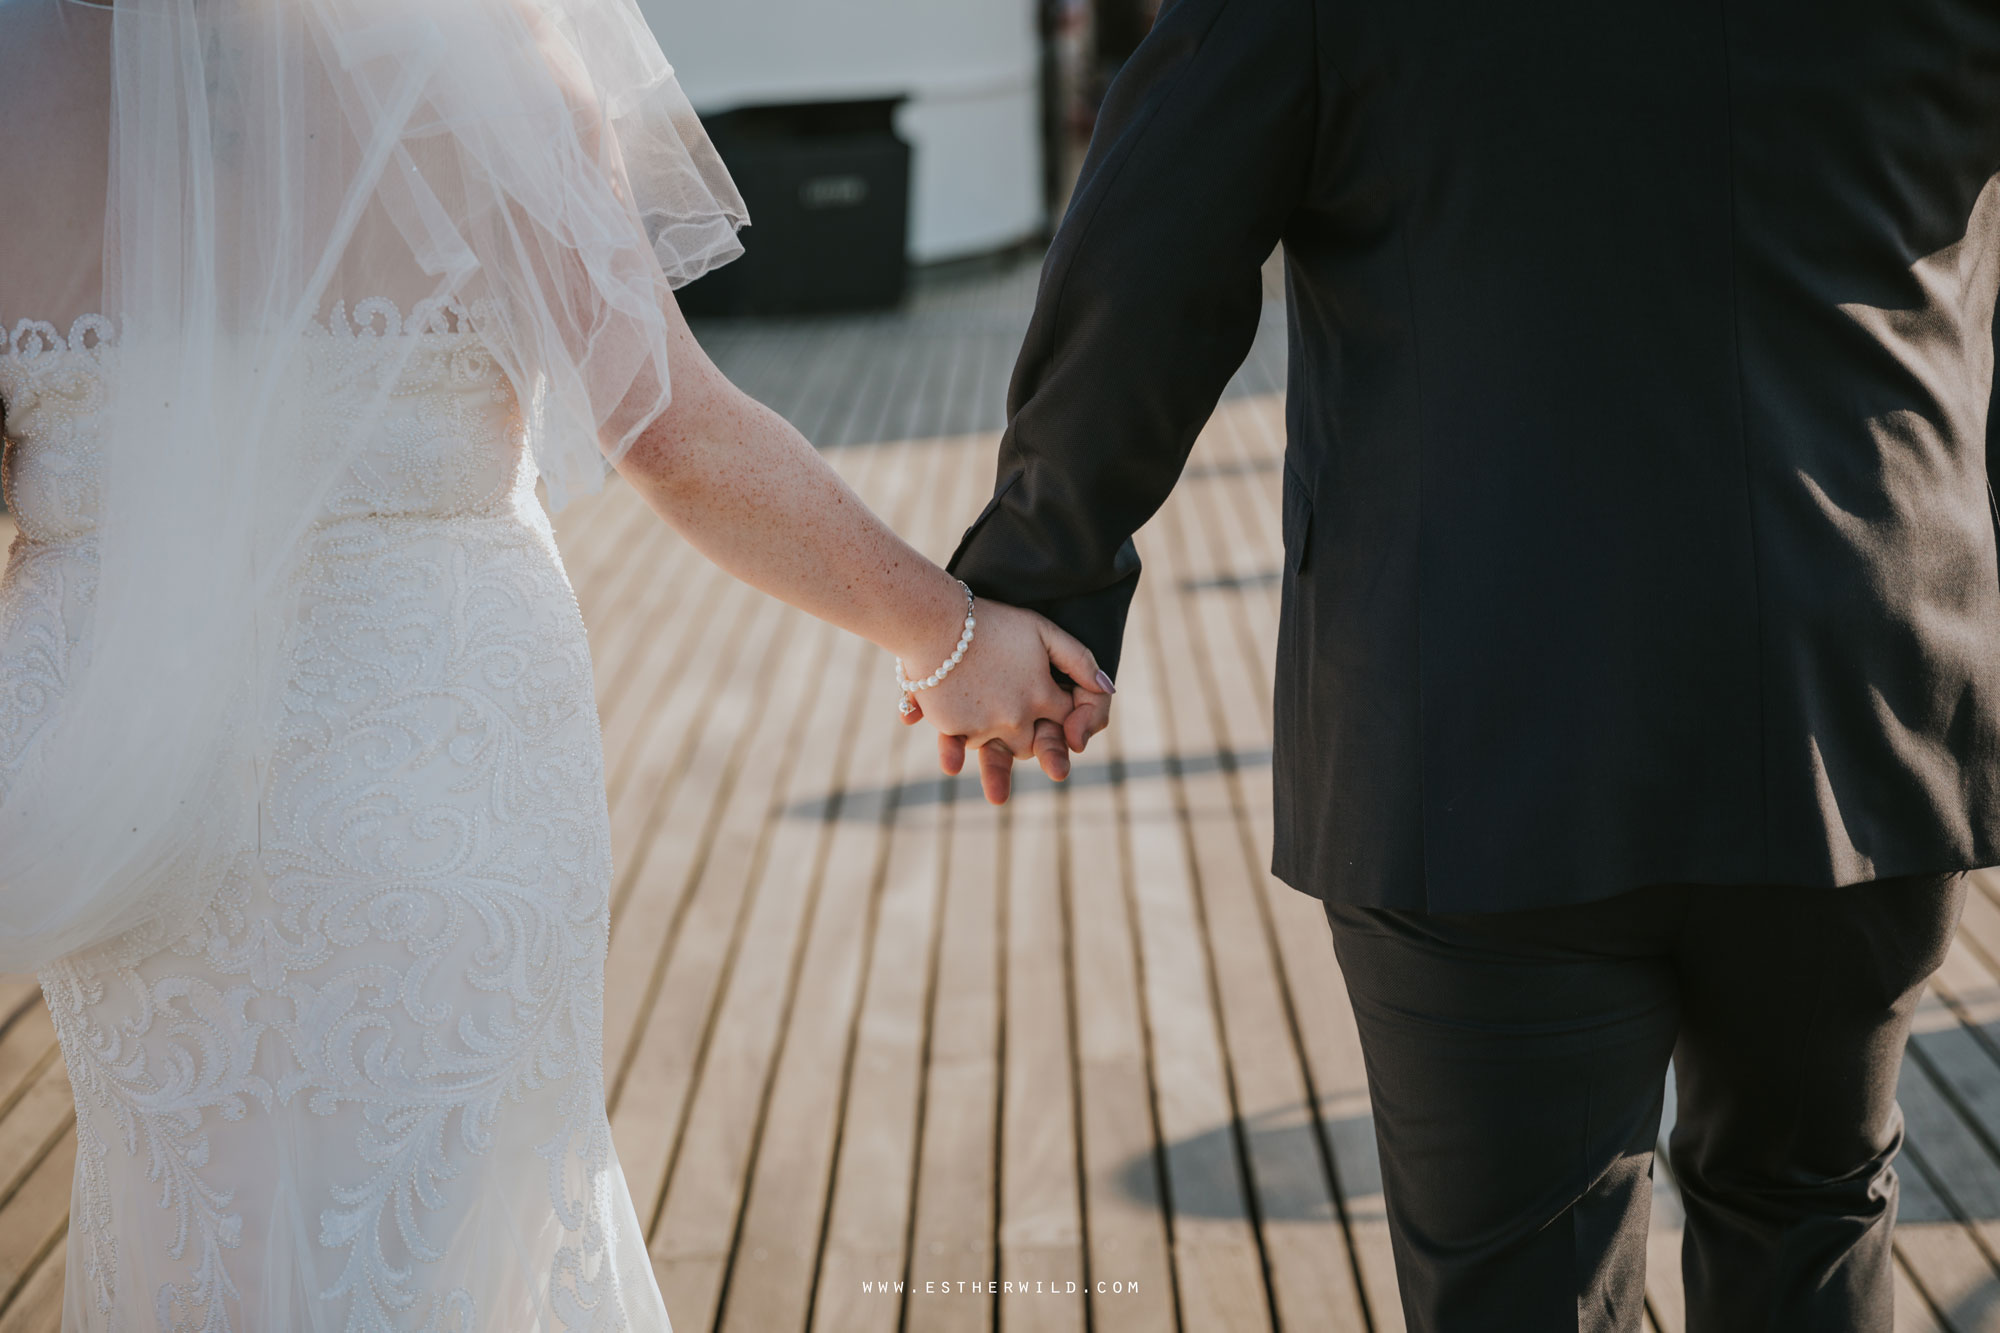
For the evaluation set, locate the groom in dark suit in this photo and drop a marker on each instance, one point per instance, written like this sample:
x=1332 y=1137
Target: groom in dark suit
x=1638 y=685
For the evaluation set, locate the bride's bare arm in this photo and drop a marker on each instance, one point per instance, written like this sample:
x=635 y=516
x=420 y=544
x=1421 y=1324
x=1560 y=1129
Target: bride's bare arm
x=751 y=494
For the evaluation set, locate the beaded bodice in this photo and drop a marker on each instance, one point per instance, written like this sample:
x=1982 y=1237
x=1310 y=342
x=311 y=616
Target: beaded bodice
x=449 y=443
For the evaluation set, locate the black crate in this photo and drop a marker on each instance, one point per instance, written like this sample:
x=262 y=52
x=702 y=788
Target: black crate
x=828 y=189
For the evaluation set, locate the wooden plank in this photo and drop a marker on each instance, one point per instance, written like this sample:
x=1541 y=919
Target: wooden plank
x=1942 y=1259
x=1042 y=1263
x=1954 y=1032
x=691 y=751
x=789 y=1180
x=649 y=1102
x=1979 y=926
x=1217 y=1262
x=38 y=1304
x=1243 y=502
x=34 y=1218
x=709 y=844
x=1666 y=1291
x=1038 y=1218
x=43 y=1113
x=665 y=577
x=1311 y=1269
x=674 y=582
x=37 y=1160
x=869 y=1218
x=1335 y=1073
x=694 y=1234
x=649 y=611
x=1124 y=1192
x=685 y=637
x=1666 y=1296
x=694 y=1237
x=1043 y=1266
x=952 y=1234
x=1962 y=1168
x=793 y=1172
x=660 y=817
x=1913 y=1311
x=27 y=1048
x=598 y=536
x=998 y=1193
x=860 y=403
x=657 y=1018
x=864 y=1244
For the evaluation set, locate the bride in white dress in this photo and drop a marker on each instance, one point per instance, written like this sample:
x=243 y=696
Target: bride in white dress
x=302 y=815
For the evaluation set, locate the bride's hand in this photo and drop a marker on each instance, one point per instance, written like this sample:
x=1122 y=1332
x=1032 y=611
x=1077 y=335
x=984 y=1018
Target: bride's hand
x=1001 y=699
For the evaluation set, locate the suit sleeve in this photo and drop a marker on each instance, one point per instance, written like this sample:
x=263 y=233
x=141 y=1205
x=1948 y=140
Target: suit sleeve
x=1149 y=300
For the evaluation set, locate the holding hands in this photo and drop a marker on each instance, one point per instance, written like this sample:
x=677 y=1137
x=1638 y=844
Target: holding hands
x=749 y=492
x=999 y=696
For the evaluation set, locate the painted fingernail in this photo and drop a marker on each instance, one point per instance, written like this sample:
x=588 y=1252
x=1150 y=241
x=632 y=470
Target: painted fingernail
x=1104 y=684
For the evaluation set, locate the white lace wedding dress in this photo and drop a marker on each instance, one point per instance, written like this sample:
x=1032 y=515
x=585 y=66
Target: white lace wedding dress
x=364 y=1090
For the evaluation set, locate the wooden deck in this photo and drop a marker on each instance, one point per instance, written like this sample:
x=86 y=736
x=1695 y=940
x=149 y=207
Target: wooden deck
x=874 y=1046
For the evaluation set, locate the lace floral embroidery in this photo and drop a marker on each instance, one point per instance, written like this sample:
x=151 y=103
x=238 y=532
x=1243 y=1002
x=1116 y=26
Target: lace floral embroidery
x=380 y=1043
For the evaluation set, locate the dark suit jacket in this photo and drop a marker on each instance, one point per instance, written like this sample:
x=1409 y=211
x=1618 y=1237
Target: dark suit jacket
x=1636 y=511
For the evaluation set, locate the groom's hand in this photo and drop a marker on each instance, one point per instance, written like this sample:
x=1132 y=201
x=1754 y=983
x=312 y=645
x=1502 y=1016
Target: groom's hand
x=1003 y=701
x=1053 y=742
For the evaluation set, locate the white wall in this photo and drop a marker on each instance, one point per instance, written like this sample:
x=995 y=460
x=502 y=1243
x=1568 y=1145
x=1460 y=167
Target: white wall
x=971 y=69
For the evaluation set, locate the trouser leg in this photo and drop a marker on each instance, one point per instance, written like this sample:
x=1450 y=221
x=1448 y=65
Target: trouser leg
x=1796 y=1005
x=1516 y=1064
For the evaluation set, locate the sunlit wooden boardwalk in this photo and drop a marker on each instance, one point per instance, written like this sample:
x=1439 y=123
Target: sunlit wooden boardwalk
x=875 y=1047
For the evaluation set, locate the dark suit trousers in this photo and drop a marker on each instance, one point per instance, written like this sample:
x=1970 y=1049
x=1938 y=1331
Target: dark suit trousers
x=1517 y=1061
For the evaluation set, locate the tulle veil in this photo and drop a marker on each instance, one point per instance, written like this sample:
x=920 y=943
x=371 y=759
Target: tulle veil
x=280 y=170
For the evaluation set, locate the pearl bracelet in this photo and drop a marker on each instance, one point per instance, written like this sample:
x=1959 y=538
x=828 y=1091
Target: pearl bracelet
x=910 y=687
